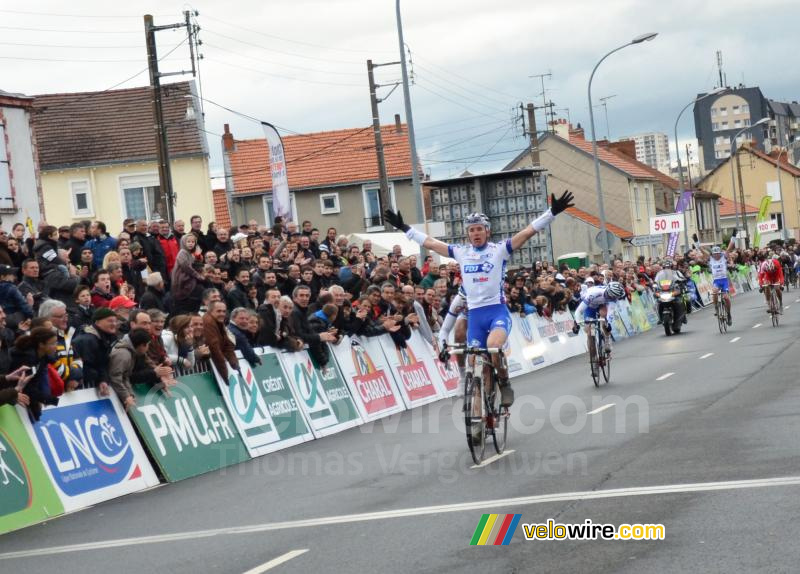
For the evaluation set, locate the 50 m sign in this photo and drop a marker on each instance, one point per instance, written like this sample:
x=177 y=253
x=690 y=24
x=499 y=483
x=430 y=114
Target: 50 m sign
x=667 y=223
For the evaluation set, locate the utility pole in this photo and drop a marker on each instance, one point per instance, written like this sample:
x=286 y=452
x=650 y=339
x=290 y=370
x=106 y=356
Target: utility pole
x=383 y=196
x=162 y=149
x=541 y=77
x=742 y=203
x=535 y=160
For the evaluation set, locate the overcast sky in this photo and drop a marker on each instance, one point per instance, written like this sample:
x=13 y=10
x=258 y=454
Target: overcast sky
x=302 y=64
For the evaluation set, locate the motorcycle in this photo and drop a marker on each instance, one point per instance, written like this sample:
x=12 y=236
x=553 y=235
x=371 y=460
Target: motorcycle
x=671 y=306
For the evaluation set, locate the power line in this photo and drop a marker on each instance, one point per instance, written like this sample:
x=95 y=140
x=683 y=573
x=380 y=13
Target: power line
x=456 y=102
x=490 y=149
x=69 y=31
x=88 y=47
x=271 y=74
x=469 y=139
x=471 y=98
x=468 y=79
x=472 y=93
x=75 y=15
x=71 y=60
x=472 y=127
x=207 y=45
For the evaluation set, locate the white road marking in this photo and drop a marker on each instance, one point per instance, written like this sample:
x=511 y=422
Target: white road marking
x=277 y=561
x=787 y=306
x=414 y=511
x=735 y=339
x=601 y=409
x=706 y=356
x=756 y=326
x=492 y=459
x=665 y=376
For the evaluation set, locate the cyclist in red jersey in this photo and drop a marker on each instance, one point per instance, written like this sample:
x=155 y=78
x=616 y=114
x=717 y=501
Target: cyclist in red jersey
x=770 y=273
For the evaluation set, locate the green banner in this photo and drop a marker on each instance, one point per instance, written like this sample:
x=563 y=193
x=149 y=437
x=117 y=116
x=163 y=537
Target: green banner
x=189 y=432
x=283 y=409
x=27 y=495
x=638 y=314
x=321 y=393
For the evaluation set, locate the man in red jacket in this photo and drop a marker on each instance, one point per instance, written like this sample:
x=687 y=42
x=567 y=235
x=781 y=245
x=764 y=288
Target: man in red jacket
x=169 y=245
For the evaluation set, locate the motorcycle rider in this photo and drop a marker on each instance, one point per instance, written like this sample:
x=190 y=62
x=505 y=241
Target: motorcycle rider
x=670 y=273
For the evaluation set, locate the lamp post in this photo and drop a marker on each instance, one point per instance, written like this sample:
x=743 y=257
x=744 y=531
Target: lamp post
x=733 y=158
x=598 y=185
x=678 y=155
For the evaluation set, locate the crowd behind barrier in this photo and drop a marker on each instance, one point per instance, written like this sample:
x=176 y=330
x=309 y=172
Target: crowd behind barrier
x=309 y=338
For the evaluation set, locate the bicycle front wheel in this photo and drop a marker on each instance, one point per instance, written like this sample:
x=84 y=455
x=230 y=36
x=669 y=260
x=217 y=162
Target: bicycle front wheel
x=775 y=308
x=474 y=419
x=498 y=419
x=722 y=317
x=593 y=363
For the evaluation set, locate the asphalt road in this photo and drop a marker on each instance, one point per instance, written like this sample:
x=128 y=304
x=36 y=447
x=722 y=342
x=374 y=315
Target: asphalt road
x=711 y=420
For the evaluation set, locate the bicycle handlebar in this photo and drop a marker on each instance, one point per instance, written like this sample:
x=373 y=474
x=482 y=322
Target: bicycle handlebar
x=464 y=350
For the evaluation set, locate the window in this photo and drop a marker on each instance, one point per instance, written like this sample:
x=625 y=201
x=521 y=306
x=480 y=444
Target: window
x=713 y=112
x=6 y=199
x=737 y=123
x=745 y=108
x=81 y=198
x=724 y=125
x=372 y=213
x=747 y=122
x=723 y=111
x=142 y=197
x=715 y=126
x=269 y=212
x=329 y=203
x=735 y=110
x=636 y=201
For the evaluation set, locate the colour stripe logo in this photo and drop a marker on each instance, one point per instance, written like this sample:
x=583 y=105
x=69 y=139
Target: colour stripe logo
x=495 y=530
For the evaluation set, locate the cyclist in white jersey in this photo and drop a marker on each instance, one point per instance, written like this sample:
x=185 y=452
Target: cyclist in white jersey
x=483 y=265
x=593 y=303
x=718 y=264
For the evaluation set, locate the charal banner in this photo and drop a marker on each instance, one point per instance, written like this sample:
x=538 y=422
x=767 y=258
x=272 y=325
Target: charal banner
x=189 y=431
x=321 y=393
x=411 y=375
x=90 y=449
x=368 y=377
x=27 y=495
x=445 y=376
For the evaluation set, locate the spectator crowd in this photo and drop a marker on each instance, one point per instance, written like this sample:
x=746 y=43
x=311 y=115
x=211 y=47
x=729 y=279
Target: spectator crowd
x=81 y=307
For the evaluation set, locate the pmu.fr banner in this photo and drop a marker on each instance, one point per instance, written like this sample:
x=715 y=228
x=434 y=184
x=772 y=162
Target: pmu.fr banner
x=27 y=495
x=415 y=382
x=321 y=393
x=90 y=449
x=368 y=377
x=190 y=431
x=262 y=406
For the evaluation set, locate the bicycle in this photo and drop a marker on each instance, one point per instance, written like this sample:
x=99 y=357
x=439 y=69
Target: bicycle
x=483 y=413
x=721 y=311
x=599 y=363
x=774 y=305
x=787 y=276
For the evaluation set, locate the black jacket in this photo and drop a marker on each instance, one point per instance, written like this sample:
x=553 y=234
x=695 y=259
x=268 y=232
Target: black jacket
x=153 y=299
x=94 y=347
x=244 y=345
x=237 y=297
x=80 y=317
x=75 y=245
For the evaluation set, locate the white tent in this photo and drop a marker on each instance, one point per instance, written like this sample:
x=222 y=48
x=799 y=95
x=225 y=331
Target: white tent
x=382 y=244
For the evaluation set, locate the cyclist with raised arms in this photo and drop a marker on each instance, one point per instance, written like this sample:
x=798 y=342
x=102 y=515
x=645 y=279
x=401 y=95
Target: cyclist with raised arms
x=483 y=267
x=718 y=263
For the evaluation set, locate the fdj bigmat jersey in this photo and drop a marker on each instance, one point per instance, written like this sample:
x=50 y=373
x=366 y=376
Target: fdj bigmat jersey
x=719 y=267
x=483 y=271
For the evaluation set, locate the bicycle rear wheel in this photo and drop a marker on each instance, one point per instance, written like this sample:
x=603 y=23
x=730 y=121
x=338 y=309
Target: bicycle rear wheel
x=774 y=308
x=474 y=417
x=497 y=421
x=605 y=359
x=722 y=316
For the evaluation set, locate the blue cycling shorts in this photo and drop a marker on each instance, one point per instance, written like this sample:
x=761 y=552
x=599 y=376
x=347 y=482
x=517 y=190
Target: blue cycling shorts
x=483 y=320
x=722 y=284
x=590 y=313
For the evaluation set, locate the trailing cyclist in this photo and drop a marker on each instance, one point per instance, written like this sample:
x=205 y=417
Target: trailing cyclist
x=593 y=303
x=483 y=266
x=770 y=276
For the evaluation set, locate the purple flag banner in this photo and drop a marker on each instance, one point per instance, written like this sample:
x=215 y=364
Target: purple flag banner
x=680 y=207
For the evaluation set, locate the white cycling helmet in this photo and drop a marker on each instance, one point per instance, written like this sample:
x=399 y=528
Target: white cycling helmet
x=716 y=249
x=615 y=290
x=476 y=219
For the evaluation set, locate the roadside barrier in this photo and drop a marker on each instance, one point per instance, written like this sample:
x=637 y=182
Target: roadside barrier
x=86 y=451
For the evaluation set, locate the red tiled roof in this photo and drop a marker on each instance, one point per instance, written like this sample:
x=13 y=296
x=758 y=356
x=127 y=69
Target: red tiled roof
x=221 y=216
x=592 y=220
x=322 y=159
x=726 y=208
x=619 y=160
x=92 y=128
x=668 y=181
x=784 y=165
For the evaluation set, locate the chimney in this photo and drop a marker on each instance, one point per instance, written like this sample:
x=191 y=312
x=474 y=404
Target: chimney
x=398 y=127
x=627 y=148
x=576 y=133
x=561 y=128
x=227 y=140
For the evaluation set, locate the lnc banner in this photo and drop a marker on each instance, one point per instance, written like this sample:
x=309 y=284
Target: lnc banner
x=280 y=178
x=683 y=203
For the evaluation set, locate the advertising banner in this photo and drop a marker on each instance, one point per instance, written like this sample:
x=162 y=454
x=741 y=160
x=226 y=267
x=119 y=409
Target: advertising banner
x=321 y=393
x=438 y=372
x=368 y=377
x=90 y=449
x=262 y=406
x=280 y=179
x=638 y=314
x=411 y=375
x=520 y=337
x=27 y=495
x=189 y=431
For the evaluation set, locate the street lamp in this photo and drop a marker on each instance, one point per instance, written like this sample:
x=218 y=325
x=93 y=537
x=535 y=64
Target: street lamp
x=734 y=157
x=598 y=185
x=714 y=92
